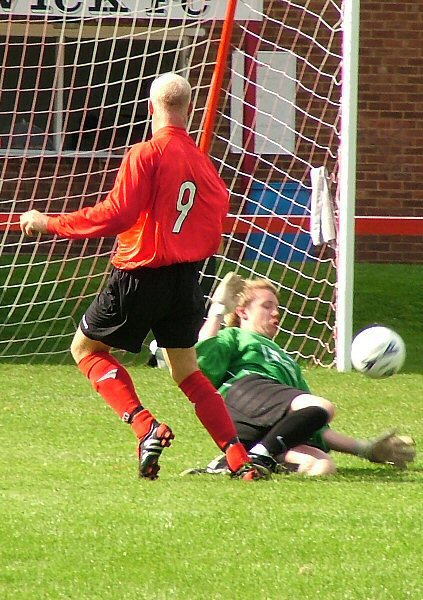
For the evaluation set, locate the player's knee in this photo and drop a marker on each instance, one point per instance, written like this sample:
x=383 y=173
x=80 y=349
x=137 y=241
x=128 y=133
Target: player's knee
x=182 y=363
x=327 y=406
x=82 y=346
x=76 y=349
x=305 y=400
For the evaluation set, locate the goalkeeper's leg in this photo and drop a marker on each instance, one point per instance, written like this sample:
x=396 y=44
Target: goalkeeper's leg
x=307 y=414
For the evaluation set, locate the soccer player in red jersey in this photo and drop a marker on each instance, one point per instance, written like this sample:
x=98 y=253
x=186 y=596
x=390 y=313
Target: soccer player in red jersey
x=167 y=208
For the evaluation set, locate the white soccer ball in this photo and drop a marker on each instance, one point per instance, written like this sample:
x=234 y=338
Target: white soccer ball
x=378 y=352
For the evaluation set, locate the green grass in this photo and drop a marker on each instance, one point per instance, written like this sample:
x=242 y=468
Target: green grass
x=37 y=325
x=41 y=304
x=392 y=295
x=76 y=523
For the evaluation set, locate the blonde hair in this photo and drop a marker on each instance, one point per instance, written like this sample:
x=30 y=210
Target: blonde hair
x=171 y=92
x=247 y=296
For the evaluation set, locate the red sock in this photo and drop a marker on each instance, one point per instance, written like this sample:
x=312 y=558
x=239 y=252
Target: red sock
x=113 y=382
x=236 y=456
x=211 y=410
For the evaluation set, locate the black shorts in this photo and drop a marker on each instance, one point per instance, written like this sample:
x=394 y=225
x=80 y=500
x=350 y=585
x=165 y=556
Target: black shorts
x=167 y=301
x=256 y=404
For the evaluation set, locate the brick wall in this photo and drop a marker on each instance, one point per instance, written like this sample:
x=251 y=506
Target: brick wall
x=390 y=124
x=390 y=135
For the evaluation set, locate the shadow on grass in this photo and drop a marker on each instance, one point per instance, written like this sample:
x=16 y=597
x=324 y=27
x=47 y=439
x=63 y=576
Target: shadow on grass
x=384 y=474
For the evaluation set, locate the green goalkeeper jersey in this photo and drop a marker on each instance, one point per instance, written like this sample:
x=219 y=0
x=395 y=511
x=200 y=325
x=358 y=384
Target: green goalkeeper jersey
x=234 y=353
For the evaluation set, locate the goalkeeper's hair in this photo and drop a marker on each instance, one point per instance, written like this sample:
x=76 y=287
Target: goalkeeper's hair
x=247 y=296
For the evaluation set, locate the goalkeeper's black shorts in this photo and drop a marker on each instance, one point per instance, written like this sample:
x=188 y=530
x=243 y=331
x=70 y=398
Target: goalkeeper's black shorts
x=166 y=300
x=256 y=404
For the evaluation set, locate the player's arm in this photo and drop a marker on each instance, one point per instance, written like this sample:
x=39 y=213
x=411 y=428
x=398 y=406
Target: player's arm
x=388 y=448
x=117 y=213
x=340 y=442
x=214 y=356
x=223 y=301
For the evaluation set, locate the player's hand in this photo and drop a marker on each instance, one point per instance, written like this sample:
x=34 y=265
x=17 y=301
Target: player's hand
x=393 y=449
x=227 y=292
x=33 y=222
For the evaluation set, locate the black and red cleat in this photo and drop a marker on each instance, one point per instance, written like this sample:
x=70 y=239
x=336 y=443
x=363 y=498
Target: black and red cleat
x=151 y=448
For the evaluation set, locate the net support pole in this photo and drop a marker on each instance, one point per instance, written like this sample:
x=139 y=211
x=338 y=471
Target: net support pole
x=218 y=74
x=347 y=176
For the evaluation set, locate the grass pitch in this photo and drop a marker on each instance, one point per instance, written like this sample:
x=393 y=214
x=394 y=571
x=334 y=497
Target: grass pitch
x=76 y=523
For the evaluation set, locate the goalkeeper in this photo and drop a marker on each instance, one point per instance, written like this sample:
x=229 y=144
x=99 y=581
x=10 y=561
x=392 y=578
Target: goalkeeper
x=279 y=421
x=167 y=208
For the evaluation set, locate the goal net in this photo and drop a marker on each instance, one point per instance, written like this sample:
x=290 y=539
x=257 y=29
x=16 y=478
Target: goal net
x=74 y=83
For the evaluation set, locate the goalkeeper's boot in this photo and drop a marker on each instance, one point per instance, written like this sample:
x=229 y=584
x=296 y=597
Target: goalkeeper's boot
x=217 y=466
x=265 y=461
x=252 y=472
x=150 y=449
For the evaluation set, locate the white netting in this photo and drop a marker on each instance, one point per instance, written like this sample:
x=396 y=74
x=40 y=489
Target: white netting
x=74 y=86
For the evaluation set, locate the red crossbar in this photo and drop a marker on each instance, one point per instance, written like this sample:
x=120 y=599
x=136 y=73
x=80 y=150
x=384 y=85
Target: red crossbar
x=280 y=224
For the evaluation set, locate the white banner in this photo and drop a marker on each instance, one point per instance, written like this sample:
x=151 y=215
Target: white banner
x=193 y=10
x=275 y=93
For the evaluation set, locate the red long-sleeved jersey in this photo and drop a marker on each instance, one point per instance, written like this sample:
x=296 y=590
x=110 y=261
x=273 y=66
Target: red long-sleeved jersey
x=167 y=205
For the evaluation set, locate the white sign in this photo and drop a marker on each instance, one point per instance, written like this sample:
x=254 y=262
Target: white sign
x=274 y=129
x=196 y=10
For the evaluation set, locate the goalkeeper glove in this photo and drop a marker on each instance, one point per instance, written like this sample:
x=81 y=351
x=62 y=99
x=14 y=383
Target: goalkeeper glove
x=225 y=297
x=388 y=448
